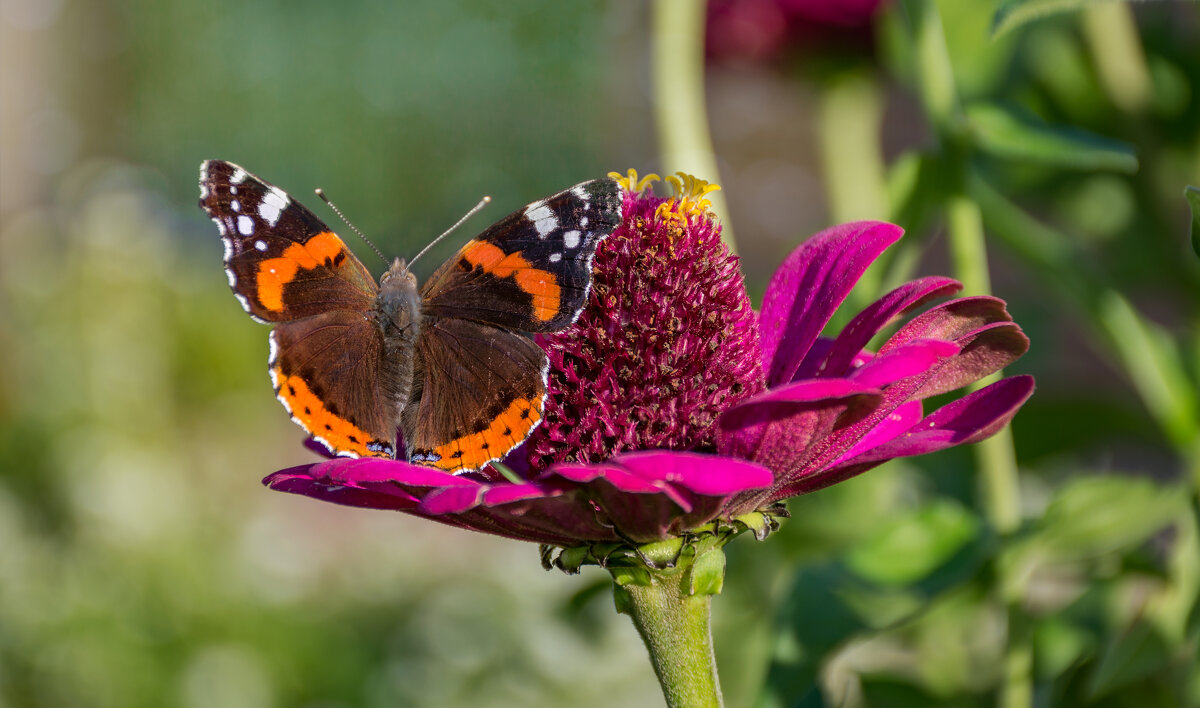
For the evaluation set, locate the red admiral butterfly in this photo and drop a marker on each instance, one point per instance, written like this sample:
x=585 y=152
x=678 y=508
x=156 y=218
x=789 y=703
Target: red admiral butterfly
x=447 y=363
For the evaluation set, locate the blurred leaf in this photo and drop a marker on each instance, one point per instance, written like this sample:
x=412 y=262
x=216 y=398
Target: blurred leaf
x=1152 y=360
x=1024 y=137
x=916 y=187
x=1193 y=197
x=1127 y=658
x=1092 y=516
x=886 y=690
x=1060 y=644
x=914 y=546
x=1014 y=13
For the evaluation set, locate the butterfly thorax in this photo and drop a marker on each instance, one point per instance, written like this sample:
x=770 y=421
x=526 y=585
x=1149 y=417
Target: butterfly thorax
x=398 y=314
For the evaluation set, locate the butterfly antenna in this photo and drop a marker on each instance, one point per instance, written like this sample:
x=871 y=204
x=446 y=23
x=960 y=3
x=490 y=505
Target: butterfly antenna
x=353 y=228
x=474 y=210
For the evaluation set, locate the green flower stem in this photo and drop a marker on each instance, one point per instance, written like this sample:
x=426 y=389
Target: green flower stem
x=671 y=608
x=680 y=114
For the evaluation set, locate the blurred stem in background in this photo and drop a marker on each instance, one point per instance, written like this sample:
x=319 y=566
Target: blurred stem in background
x=1110 y=31
x=996 y=458
x=849 y=122
x=681 y=116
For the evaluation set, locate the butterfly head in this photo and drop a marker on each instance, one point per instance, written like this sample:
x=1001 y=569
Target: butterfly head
x=399 y=299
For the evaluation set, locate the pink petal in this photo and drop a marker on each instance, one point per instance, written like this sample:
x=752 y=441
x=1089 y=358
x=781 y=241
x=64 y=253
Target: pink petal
x=858 y=333
x=810 y=285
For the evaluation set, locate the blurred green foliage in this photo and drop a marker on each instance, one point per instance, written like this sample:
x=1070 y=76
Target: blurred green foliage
x=141 y=564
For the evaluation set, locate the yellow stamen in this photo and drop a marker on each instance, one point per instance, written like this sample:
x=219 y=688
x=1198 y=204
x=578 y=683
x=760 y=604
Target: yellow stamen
x=631 y=183
x=690 y=192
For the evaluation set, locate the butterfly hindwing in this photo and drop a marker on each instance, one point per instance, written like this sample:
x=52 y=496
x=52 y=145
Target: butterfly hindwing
x=326 y=371
x=282 y=261
x=531 y=270
x=478 y=394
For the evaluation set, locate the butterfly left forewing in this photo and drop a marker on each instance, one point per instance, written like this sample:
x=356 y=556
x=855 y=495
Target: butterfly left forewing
x=531 y=270
x=283 y=263
x=478 y=394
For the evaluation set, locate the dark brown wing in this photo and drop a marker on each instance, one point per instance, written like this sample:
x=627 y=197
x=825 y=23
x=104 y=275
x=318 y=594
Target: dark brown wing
x=531 y=270
x=326 y=371
x=478 y=394
x=282 y=261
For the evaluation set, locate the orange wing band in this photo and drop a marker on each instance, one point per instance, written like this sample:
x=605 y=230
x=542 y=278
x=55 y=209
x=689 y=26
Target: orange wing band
x=541 y=285
x=473 y=451
x=336 y=432
x=274 y=273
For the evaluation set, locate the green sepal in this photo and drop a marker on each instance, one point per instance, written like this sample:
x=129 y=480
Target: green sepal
x=676 y=551
x=707 y=574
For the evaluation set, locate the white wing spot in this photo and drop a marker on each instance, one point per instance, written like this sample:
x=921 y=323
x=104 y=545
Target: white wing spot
x=235 y=205
x=543 y=219
x=555 y=257
x=232 y=189
x=273 y=204
x=245 y=225
x=581 y=193
x=571 y=239
x=583 y=221
x=260 y=245
x=239 y=175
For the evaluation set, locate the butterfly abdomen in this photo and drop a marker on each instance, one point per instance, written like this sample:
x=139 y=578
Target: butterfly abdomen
x=398 y=313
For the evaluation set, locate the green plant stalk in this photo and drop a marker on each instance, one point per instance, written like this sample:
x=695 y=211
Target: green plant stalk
x=996 y=459
x=939 y=96
x=849 y=123
x=674 y=622
x=680 y=113
x=1111 y=33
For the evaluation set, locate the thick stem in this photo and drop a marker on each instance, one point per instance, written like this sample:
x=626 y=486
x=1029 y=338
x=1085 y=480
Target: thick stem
x=673 y=618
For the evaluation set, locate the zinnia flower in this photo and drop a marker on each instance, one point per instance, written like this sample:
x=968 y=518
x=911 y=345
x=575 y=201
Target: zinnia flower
x=674 y=408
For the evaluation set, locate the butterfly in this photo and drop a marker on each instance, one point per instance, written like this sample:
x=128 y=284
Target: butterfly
x=449 y=363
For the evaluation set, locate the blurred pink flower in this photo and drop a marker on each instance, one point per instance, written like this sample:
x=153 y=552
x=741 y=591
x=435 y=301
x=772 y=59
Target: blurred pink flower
x=762 y=29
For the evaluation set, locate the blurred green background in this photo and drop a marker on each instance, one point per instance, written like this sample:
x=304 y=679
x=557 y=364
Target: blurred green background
x=142 y=564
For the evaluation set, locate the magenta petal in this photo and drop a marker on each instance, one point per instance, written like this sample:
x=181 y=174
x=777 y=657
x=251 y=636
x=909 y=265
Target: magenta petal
x=968 y=420
x=807 y=392
x=452 y=499
x=783 y=434
x=702 y=474
x=810 y=285
x=509 y=493
x=301 y=480
x=892 y=425
x=951 y=320
x=858 y=333
x=901 y=362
